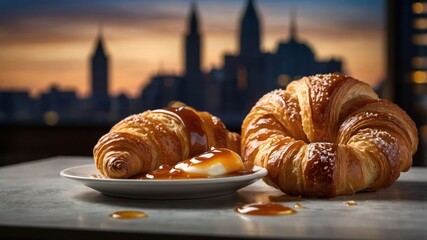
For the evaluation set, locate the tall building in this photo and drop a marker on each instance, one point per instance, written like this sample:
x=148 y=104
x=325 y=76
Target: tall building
x=407 y=60
x=100 y=75
x=407 y=64
x=245 y=73
x=250 y=32
x=192 y=57
x=295 y=58
x=244 y=77
x=193 y=76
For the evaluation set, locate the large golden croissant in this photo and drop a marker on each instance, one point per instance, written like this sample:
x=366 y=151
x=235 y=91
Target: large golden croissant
x=328 y=135
x=141 y=143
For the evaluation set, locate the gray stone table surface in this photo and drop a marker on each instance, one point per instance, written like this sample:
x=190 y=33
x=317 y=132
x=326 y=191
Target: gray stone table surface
x=36 y=202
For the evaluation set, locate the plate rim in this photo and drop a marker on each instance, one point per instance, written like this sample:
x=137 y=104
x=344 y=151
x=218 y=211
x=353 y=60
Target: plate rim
x=259 y=172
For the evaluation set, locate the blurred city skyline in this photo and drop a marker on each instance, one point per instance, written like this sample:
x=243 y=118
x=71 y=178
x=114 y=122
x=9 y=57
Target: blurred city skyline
x=47 y=43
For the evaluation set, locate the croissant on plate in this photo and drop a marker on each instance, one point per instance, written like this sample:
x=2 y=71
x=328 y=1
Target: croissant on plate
x=141 y=143
x=328 y=135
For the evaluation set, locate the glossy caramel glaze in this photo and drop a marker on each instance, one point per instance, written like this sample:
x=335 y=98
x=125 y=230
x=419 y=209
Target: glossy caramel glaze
x=328 y=135
x=195 y=129
x=265 y=209
x=230 y=161
x=142 y=142
x=169 y=172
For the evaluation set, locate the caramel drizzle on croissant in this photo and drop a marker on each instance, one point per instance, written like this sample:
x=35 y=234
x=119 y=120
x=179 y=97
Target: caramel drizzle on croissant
x=142 y=142
x=195 y=128
x=328 y=135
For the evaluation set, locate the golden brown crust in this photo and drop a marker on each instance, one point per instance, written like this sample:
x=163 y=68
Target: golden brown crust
x=142 y=142
x=328 y=135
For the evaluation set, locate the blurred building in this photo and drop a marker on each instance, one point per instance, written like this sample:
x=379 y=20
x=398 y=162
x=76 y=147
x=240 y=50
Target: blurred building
x=228 y=91
x=407 y=63
x=17 y=105
x=193 y=77
x=100 y=76
x=231 y=90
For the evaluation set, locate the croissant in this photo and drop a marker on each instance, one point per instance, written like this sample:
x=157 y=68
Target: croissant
x=141 y=143
x=328 y=135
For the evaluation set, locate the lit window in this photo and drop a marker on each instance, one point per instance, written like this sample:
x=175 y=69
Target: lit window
x=420 y=23
x=419 y=39
x=242 y=78
x=50 y=118
x=168 y=82
x=283 y=80
x=176 y=104
x=419 y=77
x=418 y=7
x=419 y=62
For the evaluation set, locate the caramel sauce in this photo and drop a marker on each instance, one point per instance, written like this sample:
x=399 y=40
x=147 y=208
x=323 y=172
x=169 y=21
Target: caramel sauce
x=265 y=209
x=350 y=203
x=168 y=172
x=229 y=160
x=128 y=214
x=224 y=156
x=195 y=128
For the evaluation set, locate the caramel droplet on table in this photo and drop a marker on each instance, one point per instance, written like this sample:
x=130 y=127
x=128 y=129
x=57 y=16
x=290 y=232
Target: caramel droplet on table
x=265 y=209
x=128 y=214
x=350 y=203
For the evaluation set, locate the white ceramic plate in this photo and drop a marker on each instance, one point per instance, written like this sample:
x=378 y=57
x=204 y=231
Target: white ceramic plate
x=161 y=189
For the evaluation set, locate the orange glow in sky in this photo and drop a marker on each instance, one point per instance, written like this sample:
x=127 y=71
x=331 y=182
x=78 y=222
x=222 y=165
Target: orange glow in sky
x=48 y=52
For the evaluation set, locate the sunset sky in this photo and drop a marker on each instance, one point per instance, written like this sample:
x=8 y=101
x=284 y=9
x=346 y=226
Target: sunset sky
x=50 y=42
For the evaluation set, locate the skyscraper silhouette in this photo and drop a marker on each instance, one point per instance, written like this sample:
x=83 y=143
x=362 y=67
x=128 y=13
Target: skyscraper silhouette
x=99 y=74
x=407 y=65
x=228 y=91
x=250 y=34
x=192 y=45
x=295 y=58
x=245 y=73
x=231 y=90
x=193 y=76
